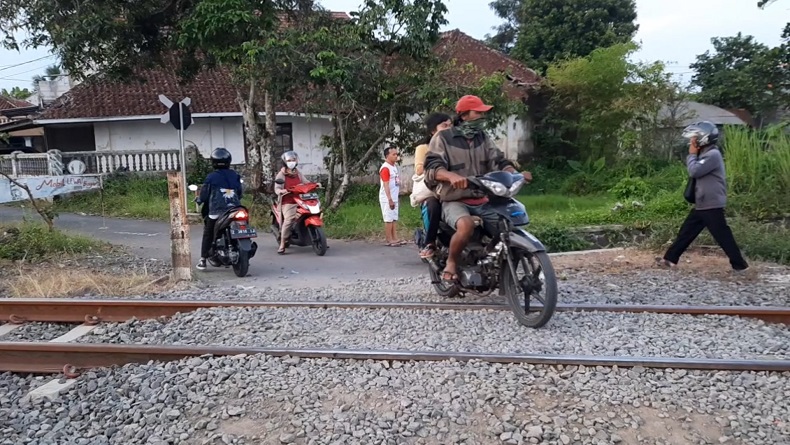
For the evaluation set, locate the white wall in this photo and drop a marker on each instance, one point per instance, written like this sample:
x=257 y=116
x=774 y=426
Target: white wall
x=209 y=133
x=513 y=137
x=205 y=133
x=307 y=134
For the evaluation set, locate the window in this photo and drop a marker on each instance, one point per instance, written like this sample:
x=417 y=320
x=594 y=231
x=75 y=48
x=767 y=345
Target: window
x=283 y=141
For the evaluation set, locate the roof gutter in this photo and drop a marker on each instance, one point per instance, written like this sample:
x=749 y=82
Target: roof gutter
x=88 y=120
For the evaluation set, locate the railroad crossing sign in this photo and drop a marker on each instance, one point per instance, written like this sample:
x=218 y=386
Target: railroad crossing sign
x=177 y=114
x=181 y=118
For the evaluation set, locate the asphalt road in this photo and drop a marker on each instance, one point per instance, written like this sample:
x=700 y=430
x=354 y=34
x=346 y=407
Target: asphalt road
x=345 y=261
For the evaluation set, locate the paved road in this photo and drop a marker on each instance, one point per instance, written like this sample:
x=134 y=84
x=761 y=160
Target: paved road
x=344 y=261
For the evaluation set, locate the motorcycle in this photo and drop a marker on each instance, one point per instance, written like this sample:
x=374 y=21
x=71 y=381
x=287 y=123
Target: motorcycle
x=490 y=261
x=308 y=228
x=232 y=244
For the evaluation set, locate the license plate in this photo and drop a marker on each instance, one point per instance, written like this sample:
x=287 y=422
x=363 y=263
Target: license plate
x=308 y=196
x=243 y=233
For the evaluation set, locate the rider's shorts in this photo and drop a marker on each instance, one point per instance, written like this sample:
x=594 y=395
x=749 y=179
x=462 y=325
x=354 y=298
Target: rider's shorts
x=455 y=210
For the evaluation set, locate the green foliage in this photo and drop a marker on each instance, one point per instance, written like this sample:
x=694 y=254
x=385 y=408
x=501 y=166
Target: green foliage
x=743 y=73
x=541 y=32
x=16 y=93
x=558 y=239
x=198 y=170
x=631 y=188
x=33 y=242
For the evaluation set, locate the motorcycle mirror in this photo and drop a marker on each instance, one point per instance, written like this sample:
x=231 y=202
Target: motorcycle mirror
x=193 y=187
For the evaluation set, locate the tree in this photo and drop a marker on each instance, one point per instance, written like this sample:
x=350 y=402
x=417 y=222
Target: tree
x=544 y=31
x=16 y=93
x=595 y=103
x=743 y=73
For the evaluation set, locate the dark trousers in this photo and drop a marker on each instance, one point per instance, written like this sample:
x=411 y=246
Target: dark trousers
x=208 y=236
x=716 y=224
x=434 y=209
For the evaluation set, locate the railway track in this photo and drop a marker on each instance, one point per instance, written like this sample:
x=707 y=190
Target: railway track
x=70 y=358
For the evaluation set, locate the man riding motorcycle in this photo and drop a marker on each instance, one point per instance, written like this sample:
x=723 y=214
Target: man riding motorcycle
x=465 y=150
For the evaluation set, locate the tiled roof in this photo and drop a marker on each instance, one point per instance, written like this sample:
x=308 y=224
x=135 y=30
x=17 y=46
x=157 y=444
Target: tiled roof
x=212 y=91
x=464 y=50
x=9 y=103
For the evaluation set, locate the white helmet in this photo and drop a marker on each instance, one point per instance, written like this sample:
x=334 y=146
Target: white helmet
x=290 y=159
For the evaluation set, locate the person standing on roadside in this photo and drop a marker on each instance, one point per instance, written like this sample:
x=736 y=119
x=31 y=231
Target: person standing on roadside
x=705 y=166
x=389 y=191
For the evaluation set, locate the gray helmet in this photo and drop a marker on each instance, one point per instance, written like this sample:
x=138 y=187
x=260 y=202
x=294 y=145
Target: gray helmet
x=290 y=156
x=707 y=133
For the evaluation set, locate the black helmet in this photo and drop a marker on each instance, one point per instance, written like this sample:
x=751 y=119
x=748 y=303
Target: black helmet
x=706 y=132
x=220 y=158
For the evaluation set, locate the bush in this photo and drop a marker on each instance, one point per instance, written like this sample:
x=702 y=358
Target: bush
x=560 y=240
x=631 y=188
x=33 y=242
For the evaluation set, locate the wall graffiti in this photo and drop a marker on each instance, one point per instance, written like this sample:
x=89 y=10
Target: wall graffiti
x=47 y=186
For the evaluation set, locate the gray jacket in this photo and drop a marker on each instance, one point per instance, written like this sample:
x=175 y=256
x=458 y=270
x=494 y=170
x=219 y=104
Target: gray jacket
x=708 y=169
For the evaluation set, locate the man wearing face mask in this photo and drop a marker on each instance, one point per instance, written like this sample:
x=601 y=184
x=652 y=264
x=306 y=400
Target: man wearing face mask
x=465 y=150
x=292 y=177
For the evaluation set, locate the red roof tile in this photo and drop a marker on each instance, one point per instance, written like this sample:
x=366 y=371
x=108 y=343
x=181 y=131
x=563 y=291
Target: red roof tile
x=9 y=103
x=464 y=50
x=212 y=91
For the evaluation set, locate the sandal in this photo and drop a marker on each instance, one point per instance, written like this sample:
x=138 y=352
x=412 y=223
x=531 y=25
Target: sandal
x=453 y=277
x=428 y=251
x=280 y=251
x=665 y=264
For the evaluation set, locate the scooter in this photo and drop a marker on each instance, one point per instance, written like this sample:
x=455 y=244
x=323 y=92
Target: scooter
x=232 y=235
x=308 y=228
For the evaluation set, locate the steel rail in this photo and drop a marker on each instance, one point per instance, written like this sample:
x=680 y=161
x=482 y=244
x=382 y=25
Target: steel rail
x=70 y=358
x=94 y=311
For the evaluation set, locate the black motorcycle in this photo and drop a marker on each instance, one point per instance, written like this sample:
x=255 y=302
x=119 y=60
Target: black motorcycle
x=232 y=241
x=491 y=261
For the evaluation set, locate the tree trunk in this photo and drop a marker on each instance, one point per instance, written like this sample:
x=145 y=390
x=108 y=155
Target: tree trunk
x=253 y=136
x=268 y=161
x=340 y=195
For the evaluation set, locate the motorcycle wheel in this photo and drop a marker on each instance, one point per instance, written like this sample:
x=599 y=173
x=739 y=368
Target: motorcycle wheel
x=241 y=266
x=319 y=241
x=515 y=288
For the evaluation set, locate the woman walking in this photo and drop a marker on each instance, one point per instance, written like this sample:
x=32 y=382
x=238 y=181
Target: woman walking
x=706 y=171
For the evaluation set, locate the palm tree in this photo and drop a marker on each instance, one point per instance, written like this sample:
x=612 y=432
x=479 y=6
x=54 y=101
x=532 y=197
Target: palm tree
x=52 y=72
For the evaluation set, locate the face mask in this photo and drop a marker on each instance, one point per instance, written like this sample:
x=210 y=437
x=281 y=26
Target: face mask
x=291 y=164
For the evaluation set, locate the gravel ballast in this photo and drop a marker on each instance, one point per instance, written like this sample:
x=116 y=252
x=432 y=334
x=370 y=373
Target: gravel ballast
x=38 y=332
x=609 y=334
x=639 y=287
x=264 y=400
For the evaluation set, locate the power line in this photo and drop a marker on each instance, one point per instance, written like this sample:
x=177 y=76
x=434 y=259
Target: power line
x=3 y=68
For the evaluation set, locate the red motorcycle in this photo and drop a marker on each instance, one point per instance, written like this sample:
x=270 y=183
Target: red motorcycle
x=308 y=228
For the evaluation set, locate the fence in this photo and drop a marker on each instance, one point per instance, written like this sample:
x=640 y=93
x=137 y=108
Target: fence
x=56 y=163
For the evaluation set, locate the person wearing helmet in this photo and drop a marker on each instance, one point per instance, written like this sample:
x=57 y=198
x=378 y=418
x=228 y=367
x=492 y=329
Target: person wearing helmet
x=708 y=178
x=290 y=176
x=221 y=190
x=465 y=150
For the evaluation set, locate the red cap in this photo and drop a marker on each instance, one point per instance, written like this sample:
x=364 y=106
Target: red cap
x=471 y=103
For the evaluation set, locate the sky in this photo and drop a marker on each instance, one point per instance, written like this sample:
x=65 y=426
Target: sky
x=673 y=31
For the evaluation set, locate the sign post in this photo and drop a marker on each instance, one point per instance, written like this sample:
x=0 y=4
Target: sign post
x=181 y=117
x=179 y=229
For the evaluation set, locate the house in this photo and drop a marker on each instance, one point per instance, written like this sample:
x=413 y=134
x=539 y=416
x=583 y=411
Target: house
x=109 y=117
x=13 y=112
x=688 y=112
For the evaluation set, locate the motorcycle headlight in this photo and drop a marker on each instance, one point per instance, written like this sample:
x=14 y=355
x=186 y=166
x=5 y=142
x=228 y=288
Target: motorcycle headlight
x=516 y=187
x=495 y=187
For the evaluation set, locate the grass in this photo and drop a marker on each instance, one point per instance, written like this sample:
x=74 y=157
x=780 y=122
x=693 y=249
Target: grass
x=37 y=283
x=34 y=242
